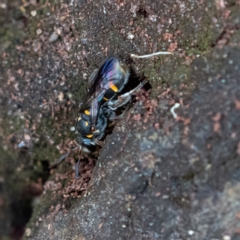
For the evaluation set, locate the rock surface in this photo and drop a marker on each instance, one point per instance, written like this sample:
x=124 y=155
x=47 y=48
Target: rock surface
x=161 y=174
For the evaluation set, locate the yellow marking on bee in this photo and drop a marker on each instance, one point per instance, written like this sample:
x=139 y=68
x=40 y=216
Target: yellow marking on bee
x=106 y=99
x=114 y=88
x=87 y=112
x=86 y=124
x=89 y=135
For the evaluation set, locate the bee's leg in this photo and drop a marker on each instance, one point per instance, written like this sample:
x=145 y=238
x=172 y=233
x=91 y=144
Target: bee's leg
x=99 y=143
x=65 y=155
x=102 y=123
x=123 y=99
x=101 y=129
x=110 y=114
x=101 y=135
x=77 y=169
x=62 y=157
x=120 y=117
x=114 y=117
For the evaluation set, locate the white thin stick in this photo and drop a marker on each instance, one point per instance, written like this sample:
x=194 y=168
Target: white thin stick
x=176 y=105
x=150 y=55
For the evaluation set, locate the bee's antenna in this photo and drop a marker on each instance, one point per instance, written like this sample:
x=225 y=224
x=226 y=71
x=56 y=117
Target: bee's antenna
x=77 y=169
x=77 y=166
x=65 y=155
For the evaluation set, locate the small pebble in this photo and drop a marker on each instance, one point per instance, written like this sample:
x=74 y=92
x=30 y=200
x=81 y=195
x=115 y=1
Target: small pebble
x=39 y=31
x=165 y=196
x=104 y=10
x=3 y=5
x=61 y=96
x=72 y=128
x=49 y=227
x=190 y=232
x=226 y=237
x=28 y=232
x=130 y=36
x=53 y=37
x=33 y=13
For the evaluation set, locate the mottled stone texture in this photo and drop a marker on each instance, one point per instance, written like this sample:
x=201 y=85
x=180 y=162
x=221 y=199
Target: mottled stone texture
x=158 y=176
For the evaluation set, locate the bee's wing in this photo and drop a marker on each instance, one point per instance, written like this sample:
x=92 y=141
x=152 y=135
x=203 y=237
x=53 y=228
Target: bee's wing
x=91 y=98
x=95 y=84
x=86 y=103
x=99 y=84
x=108 y=71
x=92 y=78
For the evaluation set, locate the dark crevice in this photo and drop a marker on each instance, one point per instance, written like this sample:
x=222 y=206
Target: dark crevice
x=20 y=205
x=142 y=12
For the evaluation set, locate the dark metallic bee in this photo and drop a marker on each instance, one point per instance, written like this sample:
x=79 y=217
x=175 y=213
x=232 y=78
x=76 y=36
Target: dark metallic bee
x=104 y=88
x=87 y=137
x=102 y=100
